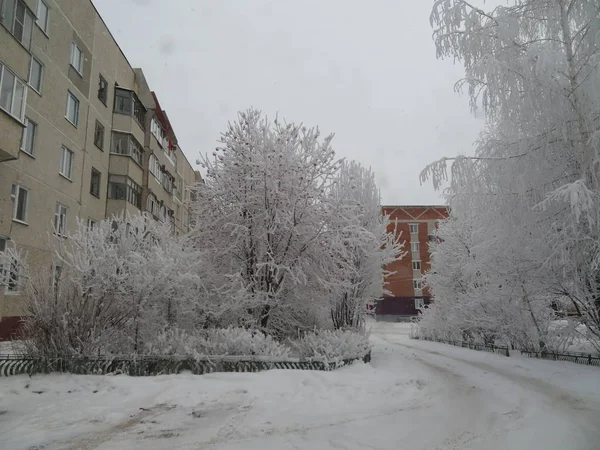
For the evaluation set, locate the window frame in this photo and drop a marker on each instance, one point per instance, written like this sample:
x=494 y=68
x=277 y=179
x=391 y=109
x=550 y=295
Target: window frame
x=15 y=195
x=65 y=150
x=37 y=14
x=59 y=208
x=71 y=96
x=127 y=103
x=419 y=303
x=16 y=80
x=26 y=24
x=25 y=140
x=98 y=174
x=101 y=80
x=413 y=225
x=38 y=88
x=74 y=50
x=416 y=263
x=418 y=284
x=134 y=149
x=415 y=247
x=98 y=126
x=132 y=191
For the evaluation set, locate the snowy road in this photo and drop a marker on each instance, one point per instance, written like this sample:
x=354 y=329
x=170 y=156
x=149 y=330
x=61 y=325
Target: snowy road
x=414 y=395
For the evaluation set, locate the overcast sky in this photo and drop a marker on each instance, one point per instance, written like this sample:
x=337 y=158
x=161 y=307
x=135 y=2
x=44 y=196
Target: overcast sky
x=365 y=71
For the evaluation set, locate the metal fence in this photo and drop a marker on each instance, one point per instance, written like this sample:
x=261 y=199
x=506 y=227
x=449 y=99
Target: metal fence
x=158 y=365
x=588 y=359
x=501 y=350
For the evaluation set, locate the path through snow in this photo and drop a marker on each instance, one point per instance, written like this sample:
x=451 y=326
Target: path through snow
x=414 y=395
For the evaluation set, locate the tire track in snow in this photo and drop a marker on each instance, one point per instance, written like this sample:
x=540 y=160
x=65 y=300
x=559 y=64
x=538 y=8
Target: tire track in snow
x=585 y=414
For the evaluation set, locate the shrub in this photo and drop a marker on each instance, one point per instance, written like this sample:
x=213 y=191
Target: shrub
x=217 y=342
x=333 y=345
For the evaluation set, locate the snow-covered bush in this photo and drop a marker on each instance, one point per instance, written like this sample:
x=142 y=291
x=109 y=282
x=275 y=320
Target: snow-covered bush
x=333 y=345
x=217 y=342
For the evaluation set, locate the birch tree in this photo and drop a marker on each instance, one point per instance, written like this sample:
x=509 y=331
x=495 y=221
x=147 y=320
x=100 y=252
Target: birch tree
x=365 y=246
x=533 y=182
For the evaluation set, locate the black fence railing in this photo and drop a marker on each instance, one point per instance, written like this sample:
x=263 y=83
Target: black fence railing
x=159 y=365
x=499 y=349
x=589 y=359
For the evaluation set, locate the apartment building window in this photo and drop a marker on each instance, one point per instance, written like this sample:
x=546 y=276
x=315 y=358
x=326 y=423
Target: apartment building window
x=28 y=138
x=416 y=265
x=72 y=109
x=125 y=144
x=36 y=72
x=126 y=102
x=91 y=224
x=415 y=246
x=154 y=167
x=66 y=163
x=76 y=58
x=102 y=90
x=158 y=132
x=18 y=19
x=12 y=93
x=123 y=188
x=20 y=198
x=413 y=227
x=417 y=284
x=60 y=219
x=419 y=303
x=95 y=183
x=99 y=135
x=152 y=204
x=43 y=16
x=167 y=182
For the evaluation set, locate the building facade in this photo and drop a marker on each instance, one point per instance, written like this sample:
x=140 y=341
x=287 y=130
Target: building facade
x=81 y=135
x=407 y=294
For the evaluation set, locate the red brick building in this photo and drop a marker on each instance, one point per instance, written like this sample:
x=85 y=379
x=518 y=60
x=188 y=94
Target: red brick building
x=407 y=293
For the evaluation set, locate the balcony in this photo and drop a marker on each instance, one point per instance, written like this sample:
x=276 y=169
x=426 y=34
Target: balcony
x=10 y=137
x=129 y=114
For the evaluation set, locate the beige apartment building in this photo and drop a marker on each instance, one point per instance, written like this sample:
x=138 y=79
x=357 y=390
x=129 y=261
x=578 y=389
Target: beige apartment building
x=81 y=135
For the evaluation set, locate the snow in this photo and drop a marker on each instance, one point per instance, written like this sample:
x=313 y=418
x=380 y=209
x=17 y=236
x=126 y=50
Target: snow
x=414 y=394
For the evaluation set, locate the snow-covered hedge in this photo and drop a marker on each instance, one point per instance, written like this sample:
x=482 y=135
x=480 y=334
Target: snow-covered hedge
x=333 y=345
x=217 y=342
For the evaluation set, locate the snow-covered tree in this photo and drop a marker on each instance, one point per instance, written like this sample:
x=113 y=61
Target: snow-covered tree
x=530 y=193
x=111 y=288
x=292 y=227
x=364 y=245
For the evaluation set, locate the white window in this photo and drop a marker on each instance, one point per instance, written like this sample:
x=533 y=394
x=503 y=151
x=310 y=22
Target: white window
x=12 y=93
x=419 y=303
x=77 y=58
x=154 y=166
x=413 y=227
x=18 y=19
x=158 y=132
x=417 y=284
x=416 y=265
x=152 y=205
x=414 y=247
x=72 y=109
x=60 y=219
x=36 y=72
x=28 y=138
x=91 y=224
x=43 y=16
x=20 y=198
x=66 y=163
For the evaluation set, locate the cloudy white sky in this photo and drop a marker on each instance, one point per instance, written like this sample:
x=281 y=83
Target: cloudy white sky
x=365 y=71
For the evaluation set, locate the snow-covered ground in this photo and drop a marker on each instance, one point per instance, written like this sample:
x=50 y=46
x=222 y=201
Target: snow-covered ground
x=414 y=395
